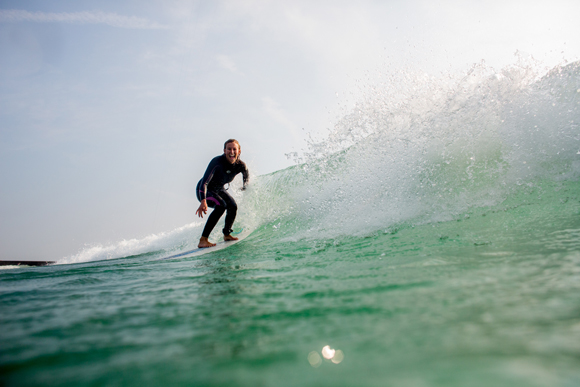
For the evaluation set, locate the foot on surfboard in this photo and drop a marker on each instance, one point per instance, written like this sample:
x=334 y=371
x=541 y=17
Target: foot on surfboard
x=229 y=238
x=204 y=242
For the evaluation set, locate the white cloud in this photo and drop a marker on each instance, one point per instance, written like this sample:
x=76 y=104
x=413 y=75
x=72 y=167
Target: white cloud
x=95 y=17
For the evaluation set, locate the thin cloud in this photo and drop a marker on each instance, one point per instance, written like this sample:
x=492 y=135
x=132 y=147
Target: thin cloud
x=227 y=63
x=95 y=17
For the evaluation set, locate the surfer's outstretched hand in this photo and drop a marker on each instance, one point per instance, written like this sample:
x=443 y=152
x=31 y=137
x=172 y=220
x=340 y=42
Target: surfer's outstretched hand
x=202 y=209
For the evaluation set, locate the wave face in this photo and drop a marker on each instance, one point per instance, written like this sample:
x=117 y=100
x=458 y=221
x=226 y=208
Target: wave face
x=433 y=239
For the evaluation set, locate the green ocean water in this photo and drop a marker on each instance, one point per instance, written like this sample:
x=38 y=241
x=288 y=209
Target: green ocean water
x=439 y=247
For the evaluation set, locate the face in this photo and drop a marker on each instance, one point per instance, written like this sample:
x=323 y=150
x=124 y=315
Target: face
x=232 y=152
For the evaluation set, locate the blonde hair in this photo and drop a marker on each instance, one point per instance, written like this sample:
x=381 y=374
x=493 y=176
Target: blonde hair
x=234 y=141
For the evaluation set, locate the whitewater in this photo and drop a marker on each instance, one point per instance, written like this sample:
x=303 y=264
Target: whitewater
x=431 y=239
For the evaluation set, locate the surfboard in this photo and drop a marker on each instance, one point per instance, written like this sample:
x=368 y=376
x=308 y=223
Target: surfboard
x=26 y=263
x=202 y=250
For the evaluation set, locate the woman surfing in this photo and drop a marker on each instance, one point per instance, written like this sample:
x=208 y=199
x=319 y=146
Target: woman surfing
x=211 y=192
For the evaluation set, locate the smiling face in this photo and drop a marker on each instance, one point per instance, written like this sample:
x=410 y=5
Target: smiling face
x=232 y=152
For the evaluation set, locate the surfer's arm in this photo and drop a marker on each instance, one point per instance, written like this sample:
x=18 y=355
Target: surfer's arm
x=246 y=176
x=207 y=176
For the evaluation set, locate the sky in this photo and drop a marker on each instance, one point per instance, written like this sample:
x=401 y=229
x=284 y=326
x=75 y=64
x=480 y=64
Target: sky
x=110 y=111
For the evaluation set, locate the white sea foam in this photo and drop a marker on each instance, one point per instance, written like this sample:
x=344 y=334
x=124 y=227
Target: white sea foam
x=180 y=238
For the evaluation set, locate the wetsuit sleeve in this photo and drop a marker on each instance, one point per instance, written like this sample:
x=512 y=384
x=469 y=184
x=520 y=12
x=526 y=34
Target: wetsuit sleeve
x=246 y=175
x=209 y=172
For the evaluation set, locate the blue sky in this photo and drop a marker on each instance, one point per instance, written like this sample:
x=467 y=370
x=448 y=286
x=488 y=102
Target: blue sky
x=111 y=110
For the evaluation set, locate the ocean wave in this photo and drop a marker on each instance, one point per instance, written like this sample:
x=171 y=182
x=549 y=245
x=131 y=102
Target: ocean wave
x=415 y=150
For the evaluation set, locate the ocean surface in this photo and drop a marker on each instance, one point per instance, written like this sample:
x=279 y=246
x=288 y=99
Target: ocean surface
x=432 y=239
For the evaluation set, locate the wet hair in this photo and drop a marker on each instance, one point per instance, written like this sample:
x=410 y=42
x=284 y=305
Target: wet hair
x=234 y=141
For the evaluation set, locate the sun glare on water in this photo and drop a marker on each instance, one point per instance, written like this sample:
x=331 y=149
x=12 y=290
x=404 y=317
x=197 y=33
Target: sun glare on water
x=334 y=355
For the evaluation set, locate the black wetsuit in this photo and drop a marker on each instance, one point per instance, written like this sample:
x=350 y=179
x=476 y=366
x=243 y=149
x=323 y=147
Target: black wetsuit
x=220 y=172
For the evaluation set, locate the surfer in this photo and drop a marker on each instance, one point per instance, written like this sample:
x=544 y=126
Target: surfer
x=211 y=192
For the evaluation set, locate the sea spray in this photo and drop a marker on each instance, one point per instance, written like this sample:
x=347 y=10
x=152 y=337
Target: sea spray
x=431 y=153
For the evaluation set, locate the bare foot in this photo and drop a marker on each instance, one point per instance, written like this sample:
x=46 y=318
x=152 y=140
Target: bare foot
x=204 y=242
x=228 y=238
